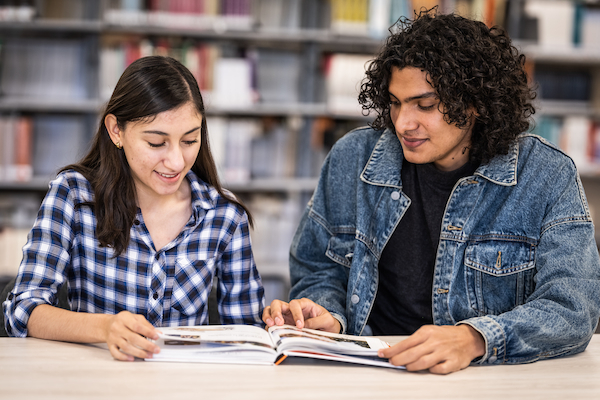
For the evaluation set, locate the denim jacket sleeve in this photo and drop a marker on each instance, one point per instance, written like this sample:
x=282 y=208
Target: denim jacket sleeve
x=313 y=274
x=560 y=315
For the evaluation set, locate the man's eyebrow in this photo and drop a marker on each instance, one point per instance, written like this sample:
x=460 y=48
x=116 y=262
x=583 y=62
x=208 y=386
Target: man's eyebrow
x=161 y=133
x=426 y=95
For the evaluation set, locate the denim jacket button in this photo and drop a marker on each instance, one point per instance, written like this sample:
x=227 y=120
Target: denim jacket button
x=395 y=195
x=354 y=299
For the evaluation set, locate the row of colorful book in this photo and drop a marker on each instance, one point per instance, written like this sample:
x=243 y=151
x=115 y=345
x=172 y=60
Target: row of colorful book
x=252 y=75
x=576 y=135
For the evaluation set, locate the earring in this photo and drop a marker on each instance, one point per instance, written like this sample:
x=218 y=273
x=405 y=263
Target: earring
x=118 y=144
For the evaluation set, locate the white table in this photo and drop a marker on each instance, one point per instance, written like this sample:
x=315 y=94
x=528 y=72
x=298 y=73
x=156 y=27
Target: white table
x=41 y=369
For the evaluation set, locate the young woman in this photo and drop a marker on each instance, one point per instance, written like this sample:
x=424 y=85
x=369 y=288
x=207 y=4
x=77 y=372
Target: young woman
x=138 y=228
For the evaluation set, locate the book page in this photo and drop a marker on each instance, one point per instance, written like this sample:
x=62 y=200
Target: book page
x=226 y=335
x=291 y=338
x=238 y=344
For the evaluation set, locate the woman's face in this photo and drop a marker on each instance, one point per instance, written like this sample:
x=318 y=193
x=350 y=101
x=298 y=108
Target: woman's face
x=160 y=152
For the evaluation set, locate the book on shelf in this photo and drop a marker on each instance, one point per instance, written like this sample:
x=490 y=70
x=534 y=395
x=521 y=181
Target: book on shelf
x=44 y=69
x=199 y=58
x=343 y=76
x=190 y=14
x=233 y=140
x=350 y=17
x=12 y=241
x=275 y=222
x=590 y=28
x=277 y=75
x=16 y=12
x=67 y=9
x=232 y=83
x=245 y=344
x=17 y=215
x=563 y=84
x=259 y=148
x=379 y=18
x=577 y=135
x=576 y=140
x=278 y=14
x=555 y=21
x=399 y=8
x=59 y=140
x=16 y=139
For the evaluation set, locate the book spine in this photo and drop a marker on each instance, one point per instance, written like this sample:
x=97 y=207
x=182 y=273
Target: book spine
x=23 y=170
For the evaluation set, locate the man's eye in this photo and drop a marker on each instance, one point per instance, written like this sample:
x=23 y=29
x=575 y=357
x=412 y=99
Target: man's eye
x=426 y=108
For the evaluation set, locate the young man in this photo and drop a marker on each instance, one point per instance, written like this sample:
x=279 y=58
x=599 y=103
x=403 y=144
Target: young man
x=444 y=220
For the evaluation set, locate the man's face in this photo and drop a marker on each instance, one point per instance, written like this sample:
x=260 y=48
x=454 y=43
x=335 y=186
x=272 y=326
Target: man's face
x=424 y=134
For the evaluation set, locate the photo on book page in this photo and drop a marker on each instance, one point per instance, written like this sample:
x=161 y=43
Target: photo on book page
x=216 y=334
x=287 y=336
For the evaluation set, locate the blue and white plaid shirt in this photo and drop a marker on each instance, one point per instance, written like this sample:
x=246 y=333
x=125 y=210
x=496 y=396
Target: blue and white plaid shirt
x=169 y=286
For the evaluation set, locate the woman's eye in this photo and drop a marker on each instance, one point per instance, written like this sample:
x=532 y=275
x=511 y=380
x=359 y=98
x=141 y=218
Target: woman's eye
x=190 y=142
x=156 y=144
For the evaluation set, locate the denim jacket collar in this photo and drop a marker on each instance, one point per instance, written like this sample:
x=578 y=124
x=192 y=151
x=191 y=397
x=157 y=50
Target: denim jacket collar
x=385 y=163
x=502 y=169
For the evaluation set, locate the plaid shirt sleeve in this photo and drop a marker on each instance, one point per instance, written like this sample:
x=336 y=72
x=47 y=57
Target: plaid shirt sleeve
x=45 y=257
x=241 y=293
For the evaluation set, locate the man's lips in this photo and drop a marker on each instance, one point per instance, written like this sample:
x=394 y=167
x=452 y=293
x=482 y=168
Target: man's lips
x=412 y=142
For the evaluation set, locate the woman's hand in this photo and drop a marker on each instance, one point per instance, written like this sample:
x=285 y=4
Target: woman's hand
x=126 y=335
x=303 y=313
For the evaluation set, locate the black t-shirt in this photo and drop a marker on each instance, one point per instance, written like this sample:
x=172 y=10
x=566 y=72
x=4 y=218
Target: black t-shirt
x=403 y=301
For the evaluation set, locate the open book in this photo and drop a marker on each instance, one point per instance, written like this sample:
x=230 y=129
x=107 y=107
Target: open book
x=245 y=344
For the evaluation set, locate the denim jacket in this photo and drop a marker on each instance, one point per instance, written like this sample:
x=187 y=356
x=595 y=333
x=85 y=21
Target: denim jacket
x=517 y=259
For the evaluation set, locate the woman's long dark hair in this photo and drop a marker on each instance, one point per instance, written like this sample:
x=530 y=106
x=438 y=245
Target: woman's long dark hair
x=149 y=86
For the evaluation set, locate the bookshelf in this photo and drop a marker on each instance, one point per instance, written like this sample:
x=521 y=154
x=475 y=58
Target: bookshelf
x=282 y=113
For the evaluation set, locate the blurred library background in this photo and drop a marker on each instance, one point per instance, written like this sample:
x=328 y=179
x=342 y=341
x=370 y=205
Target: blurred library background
x=280 y=81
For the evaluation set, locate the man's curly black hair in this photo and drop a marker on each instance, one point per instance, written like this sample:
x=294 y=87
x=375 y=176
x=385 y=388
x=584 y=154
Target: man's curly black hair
x=471 y=67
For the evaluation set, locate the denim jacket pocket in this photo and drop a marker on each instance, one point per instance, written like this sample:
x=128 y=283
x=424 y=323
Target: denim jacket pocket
x=340 y=249
x=191 y=285
x=499 y=274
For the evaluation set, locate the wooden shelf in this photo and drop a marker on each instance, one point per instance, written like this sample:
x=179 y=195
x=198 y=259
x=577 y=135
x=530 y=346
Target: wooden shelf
x=54 y=25
x=564 y=108
x=50 y=105
x=274 y=185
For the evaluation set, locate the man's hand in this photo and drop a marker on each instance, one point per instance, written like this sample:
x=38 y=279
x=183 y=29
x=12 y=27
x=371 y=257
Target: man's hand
x=439 y=349
x=126 y=335
x=303 y=313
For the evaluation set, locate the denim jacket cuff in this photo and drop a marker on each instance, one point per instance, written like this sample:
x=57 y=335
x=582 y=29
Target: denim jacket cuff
x=493 y=335
x=341 y=320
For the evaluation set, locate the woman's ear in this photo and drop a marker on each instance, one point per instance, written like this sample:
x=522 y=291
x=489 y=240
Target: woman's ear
x=110 y=121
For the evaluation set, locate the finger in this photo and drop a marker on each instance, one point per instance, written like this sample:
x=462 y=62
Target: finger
x=118 y=355
x=406 y=356
x=266 y=317
x=140 y=325
x=400 y=347
x=278 y=309
x=144 y=344
x=137 y=346
x=132 y=330
x=414 y=361
x=324 y=322
x=297 y=313
x=445 y=368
